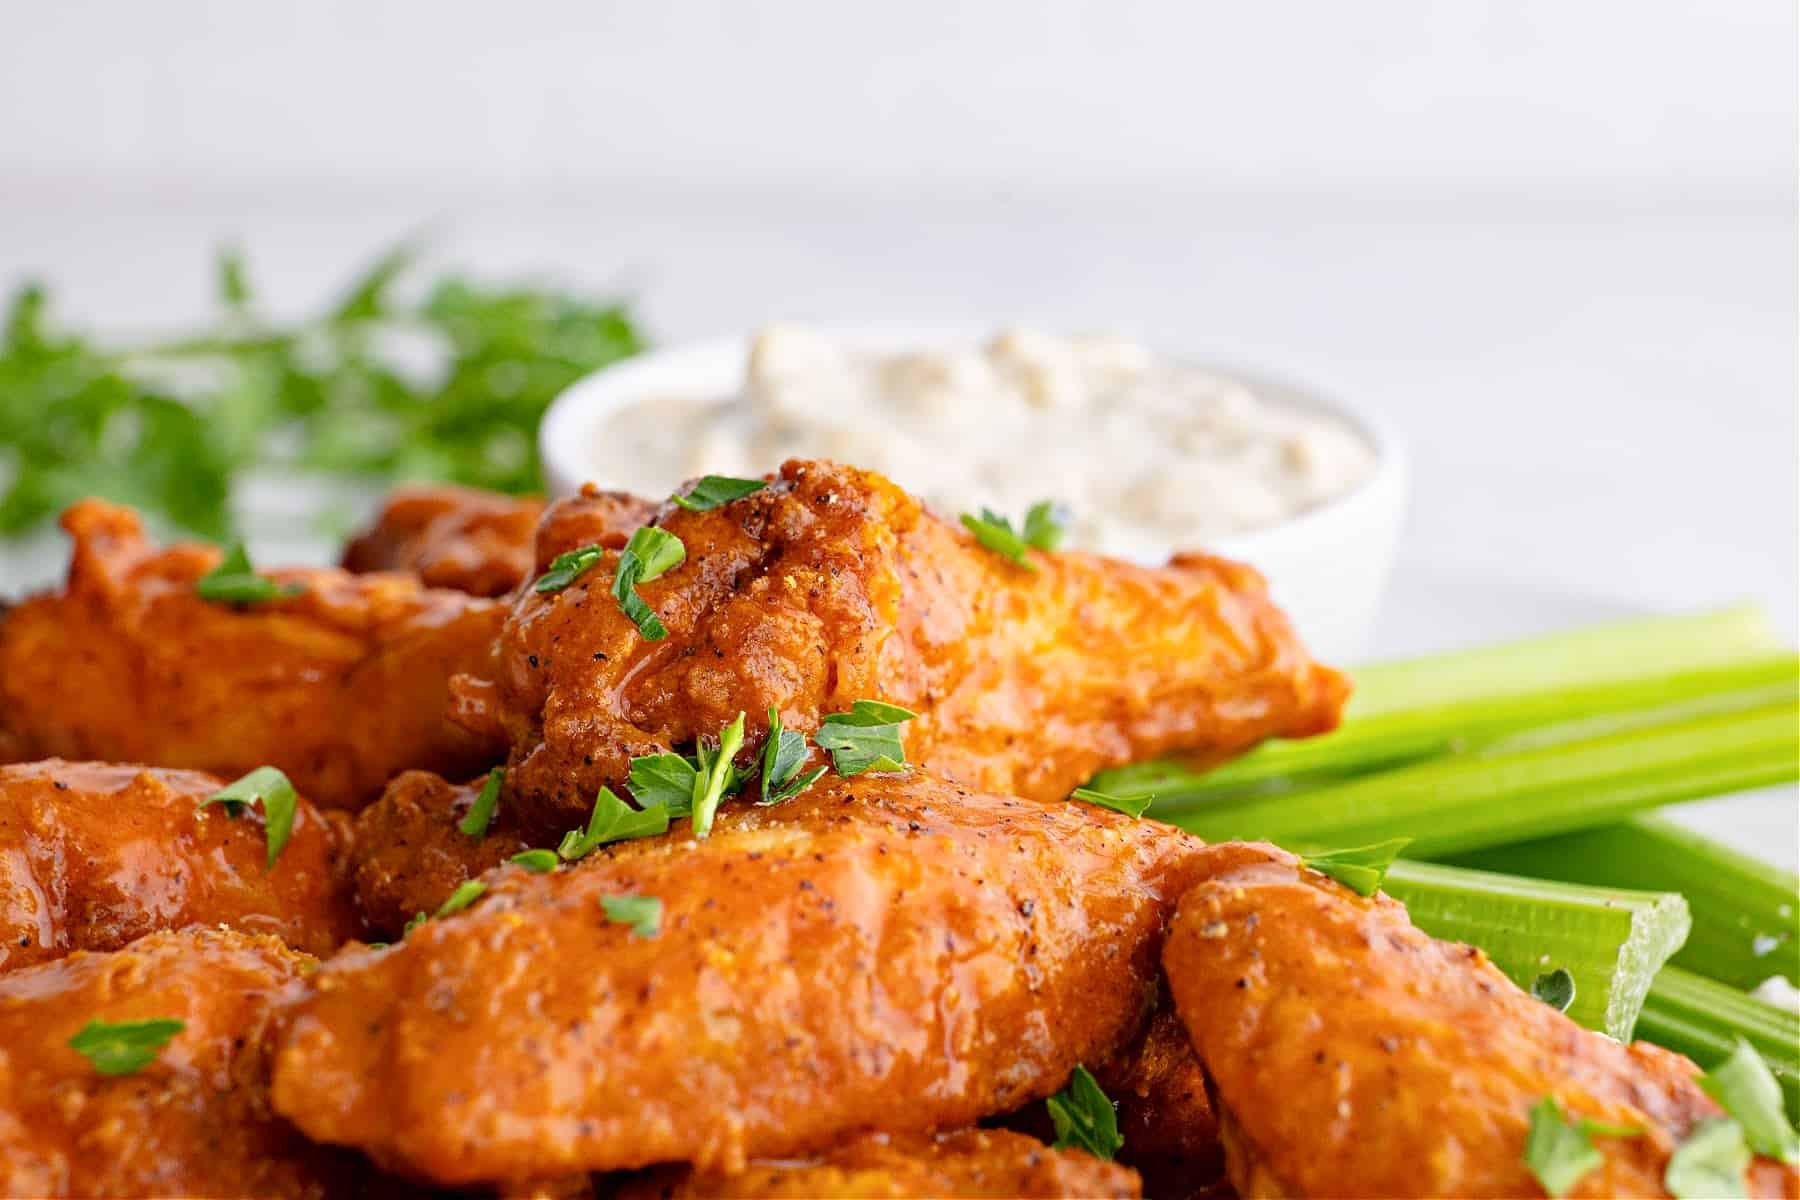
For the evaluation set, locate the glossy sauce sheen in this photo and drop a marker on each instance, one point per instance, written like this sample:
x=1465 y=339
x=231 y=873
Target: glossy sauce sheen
x=94 y=855
x=888 y=953
x=196 y=1121
x=451 y=537
x=833 y=585
x=341 y=687
x=1352 y=1055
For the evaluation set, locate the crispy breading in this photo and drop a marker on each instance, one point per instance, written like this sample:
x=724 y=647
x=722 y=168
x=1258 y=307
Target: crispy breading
x=833 y=585
x=342 y=686
x=461 y=538
x=1352 y=1055
x=95 y=855
x=883 y=952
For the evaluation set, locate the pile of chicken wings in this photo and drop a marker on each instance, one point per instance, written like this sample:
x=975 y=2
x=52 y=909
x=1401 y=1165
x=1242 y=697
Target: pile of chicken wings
x=713 y=847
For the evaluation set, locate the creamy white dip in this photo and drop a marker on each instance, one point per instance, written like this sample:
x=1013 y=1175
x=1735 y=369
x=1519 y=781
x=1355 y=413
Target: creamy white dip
x=1145 y=455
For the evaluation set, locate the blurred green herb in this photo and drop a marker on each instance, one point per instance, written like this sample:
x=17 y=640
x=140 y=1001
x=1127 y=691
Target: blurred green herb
x=379 y=387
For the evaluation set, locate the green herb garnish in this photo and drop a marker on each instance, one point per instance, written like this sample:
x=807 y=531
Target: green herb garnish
x=1044 y=525
x=1746 y=1088
x=124 y=1047
x=665 y=780
x=1131 y=806
x=1710 y=1164
x=481 y=813
x=1557 y=1150
x=715 y=775
x=613 y=820
x=235 y=582
x=418 y=919
x=269 y=787
x=566 y=568
x=467 y=892
x=1084 y=1118
x=711 y=491
x=1555 y=988
x=1359 y=868
x=649 y=553
x=782 y=755
x=867 y=738
x=537 y=861
x=642 y=913
x=1043 y=531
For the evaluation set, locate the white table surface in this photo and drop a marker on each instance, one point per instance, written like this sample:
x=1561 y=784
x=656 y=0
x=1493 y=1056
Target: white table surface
x=1599 y=390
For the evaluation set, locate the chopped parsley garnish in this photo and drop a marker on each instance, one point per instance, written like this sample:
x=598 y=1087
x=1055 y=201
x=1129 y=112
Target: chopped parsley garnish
x=642 y=913
x=1131 y=806
x=867 y=738
x=566 y=568
x=716 y=774
x=1043 y=531
x=1084 y=1117
x=782 y=756
x=1359 y=868
x=712 y=491
x=1560 y=1151
x=233 y=581
x=612 y=820
x=1746 y=1088
x=268 y=786
x=536 y=860
x=124 y=1047
x=665 y=780
x=467 y=892
x=1555 y=988
x=648 y=555
x=475 y=822
x=418 y=919
x=1711 y=1163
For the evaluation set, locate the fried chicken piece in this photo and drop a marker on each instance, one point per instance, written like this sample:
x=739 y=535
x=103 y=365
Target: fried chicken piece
x=96 y=855
x=833 y=585
x=409 y=853
x=196 y=1120
x=1353 y=1055
x=970 y=1163
x=1165 y=1117
x=461 y=538
x=341 y=687
x=881 y=953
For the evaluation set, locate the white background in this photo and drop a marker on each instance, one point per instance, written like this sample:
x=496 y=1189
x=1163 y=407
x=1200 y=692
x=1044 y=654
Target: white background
x=1552 y=242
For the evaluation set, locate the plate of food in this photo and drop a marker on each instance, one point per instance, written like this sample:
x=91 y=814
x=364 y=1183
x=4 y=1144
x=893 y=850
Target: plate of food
x=802 y=823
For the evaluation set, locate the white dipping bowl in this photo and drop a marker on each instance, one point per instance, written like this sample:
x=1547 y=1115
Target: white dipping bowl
x=1327 y=566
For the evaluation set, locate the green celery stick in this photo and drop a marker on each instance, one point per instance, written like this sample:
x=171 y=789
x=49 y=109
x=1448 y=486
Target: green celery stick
x=1471 y=801
x=1746 y=923
x=1612 y=942
x=1703 y=1019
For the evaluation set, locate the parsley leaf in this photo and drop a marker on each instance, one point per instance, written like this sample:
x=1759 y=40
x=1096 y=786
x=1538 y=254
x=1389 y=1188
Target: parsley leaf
x=642 y=913
x=1555 y=988
x=1557 y=1150
x=1359 y=868
x=1084 y=1118
x=124 y=1047
x=996 y=533
x=467 y=892
x=1711 y=1163
x=649 y=553
x=538 y=861
x=268 y=786
x=867 y=738
x=1131 y=806
x=782 y=755
x=481 y=813
x=712 y=491
x=665 y=780
x=1746 y=1088
x=716 y=775
x=566 y=568
x=1044 y=525
x=613 y=820
x=234 y=582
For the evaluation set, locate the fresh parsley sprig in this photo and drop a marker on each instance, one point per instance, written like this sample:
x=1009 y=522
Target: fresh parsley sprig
x=715 y=775
x=612 y=820
x=475 y=822
x=642 y=913
x=1746 y=1088
x=1043 y=531
x=536 y=861
x=124 y=1047
x=269 y=787
x=1710 y=1162
x=467 y=892
x=1131 y=806
x=648 y=555
x=782 y=756
x=566 y=568
x=867 y=738
x=236 y=583
x=1084 y=1117
x=1362 y=869
x=713 y=491
x=1560 y=1151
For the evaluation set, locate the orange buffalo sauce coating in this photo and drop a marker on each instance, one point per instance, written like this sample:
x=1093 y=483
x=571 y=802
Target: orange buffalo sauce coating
x=461 y=538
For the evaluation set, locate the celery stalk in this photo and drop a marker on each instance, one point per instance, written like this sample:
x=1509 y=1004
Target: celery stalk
x=1611 y=941
x=1746 y=923
x=1471 y=801
x=1703 y=1019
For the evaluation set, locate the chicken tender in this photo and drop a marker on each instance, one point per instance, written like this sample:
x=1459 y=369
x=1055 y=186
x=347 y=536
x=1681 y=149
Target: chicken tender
x=1165 y=1117
x=342 y=686
x=832 y=585
x=95 y=855
x=195 y=1121
x=461 y=538
x=881 y=953
x=409 y=853
x=1353 y=1055
x=972 y=1163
